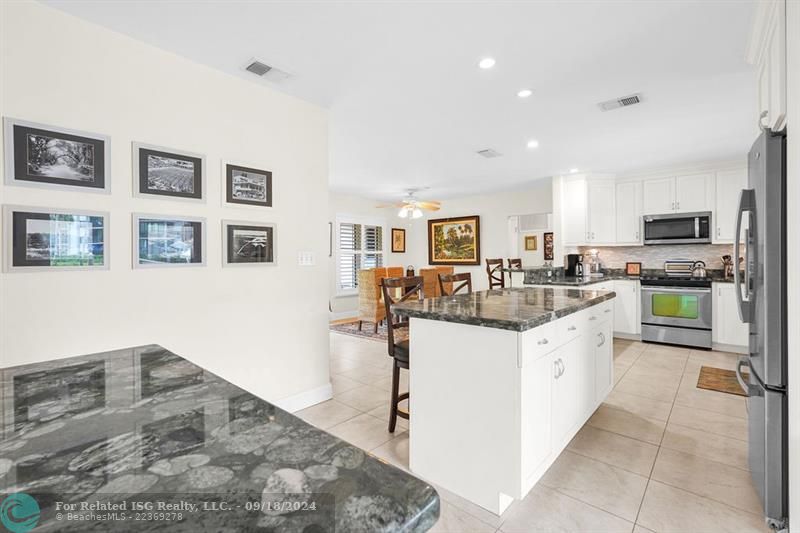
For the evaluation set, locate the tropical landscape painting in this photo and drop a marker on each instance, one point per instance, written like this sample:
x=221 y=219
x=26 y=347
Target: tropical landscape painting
x=454 y=241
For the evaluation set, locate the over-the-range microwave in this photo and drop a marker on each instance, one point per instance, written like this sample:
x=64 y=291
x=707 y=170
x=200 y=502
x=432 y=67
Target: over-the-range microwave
x=678 y=228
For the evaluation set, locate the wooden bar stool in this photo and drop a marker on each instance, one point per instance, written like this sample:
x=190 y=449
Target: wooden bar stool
x=494 y=269
x=515 y=263
x=399 y=351
x=451 y=280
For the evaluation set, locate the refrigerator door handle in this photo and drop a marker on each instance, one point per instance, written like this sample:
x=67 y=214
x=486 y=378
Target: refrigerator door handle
x=746 y=205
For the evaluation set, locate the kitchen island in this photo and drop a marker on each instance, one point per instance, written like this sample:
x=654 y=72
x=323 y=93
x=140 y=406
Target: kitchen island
x=500 y=382
x=145 y=425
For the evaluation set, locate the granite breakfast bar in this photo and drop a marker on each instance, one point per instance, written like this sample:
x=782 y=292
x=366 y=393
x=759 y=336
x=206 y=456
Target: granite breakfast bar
x=500 y=382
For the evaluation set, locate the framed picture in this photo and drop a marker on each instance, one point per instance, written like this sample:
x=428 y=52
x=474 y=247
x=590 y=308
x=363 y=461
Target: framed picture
x=633 y=269
x=248 y=243
x=398 y=241
x=164 y=241
x=162 y=172
x=531 y=243
x=454 y=241
x=54 y=239
x=38 y=155
x=247 y=186
x=548 y=246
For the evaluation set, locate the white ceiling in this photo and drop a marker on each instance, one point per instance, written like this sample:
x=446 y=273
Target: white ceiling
x=409 y=107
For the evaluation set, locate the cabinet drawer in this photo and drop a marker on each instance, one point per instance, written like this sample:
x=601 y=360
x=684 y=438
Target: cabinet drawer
x=571 y=326
x=538 y=342
x=600 y=313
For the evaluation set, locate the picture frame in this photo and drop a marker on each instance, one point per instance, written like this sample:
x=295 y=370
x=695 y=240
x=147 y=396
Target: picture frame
x=163 y=241
x=454 y=241
x=44 y=156
x=398 y=241
x=249 y=243
x=633 y=269
x=166 y=173
x=246 y=185
x=548 y=246
x=531 y=243
x=49 y=239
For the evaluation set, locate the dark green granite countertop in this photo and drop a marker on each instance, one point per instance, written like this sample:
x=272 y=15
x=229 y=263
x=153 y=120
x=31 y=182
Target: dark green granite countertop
x=514 y=309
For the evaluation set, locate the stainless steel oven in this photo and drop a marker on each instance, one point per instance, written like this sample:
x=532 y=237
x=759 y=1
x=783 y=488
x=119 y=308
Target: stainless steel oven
x=677 y=228
x=677 y=311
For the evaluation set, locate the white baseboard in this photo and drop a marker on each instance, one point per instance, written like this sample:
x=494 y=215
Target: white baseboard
x=728 y=348
x=627 y=336
x=306 y=399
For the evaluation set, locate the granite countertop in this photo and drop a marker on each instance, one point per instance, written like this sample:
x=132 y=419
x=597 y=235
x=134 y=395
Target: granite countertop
x=538 y=276
x=514 y=309
x=145 y=424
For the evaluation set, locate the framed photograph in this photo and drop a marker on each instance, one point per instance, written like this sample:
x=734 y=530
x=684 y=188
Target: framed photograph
x=633 y=269
x=247 y=186
x=38 y=155
x=163 y=172
x=531 y=243
x=454 y=241
x=54 y=239
x=164 y=241
x=398 y=241
x=248 y=243
x=548 y=246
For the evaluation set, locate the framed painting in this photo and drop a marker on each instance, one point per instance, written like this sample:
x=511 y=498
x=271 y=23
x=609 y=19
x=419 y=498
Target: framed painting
x=247 y=186
x=163 y=172
x=55 y=239
x=531 y=243
x=548 y=246
x=38 y=155
x=633 y=269
x=248 y=243
x=454 y=241
x=164 y=241
x=398 y=241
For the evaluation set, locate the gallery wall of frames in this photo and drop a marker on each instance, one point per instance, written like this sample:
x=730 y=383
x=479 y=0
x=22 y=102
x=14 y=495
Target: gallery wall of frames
x=45 y=238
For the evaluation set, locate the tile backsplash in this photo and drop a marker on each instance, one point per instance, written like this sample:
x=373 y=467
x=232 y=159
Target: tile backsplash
x=655 y=255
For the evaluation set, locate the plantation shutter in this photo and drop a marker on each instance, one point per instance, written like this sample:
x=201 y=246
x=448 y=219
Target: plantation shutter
x=360 y=246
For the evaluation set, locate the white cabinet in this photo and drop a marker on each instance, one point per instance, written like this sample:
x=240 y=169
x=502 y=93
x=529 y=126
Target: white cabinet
x=573 y=209
x=629 y=212
x=564 y=368
x=681 y=194
x=603 y=350
x=601 y=204
x=658 y=196
x=627 y=307
x=729 y=184
x=728 y=329
x=538 y=377
x=767 y=50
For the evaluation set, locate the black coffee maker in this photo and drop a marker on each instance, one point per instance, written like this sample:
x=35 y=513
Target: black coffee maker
x=573 y=265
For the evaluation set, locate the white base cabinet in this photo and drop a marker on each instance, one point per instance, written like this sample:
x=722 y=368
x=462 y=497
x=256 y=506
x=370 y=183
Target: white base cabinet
x=729 y=332
x=526 y=393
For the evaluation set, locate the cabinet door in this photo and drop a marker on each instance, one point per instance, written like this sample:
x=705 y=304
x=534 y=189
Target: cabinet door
x=573 y=209
x=627 y=317
x=694 y=193
x=537 y=379
x=586 y=376
x=601 y=200
x=603 y=350
x=729 y=329
x=658 y=196
x=629 y=212
x=564 y=413
x=729 y=184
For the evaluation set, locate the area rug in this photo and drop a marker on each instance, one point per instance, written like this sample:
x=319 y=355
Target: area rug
x=720 y=380
x=368 y=331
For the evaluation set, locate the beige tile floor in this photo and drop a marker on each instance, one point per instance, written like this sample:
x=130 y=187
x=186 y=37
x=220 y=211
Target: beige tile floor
x=658 y=455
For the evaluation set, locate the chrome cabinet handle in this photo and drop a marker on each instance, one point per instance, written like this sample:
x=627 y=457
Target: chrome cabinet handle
x=563 y=367
x=571 y=328
x=607 y=311
x=673 y=206
x=556 y=375
x=602 y=339
x=592 y=318
x=543 y=341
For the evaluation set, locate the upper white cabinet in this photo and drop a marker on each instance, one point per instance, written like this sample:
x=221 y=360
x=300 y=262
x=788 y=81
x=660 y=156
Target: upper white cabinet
x=588 y=210
x=681 y=194
x=767 y=50
x=629 y=212
x=729 y=185
x=601 y=201
x=573 y=209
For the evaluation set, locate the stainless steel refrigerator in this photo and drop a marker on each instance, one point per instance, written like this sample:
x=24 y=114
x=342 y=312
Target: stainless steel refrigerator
x=762 y=304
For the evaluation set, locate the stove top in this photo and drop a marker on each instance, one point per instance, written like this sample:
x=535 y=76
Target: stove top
x=675 y=281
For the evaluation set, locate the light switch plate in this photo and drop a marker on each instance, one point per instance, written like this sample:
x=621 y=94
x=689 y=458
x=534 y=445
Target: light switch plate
x=305 y=258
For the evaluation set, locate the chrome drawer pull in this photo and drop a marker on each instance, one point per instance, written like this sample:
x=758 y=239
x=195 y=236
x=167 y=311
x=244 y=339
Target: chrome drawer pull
x=543 y=341
x=571 y=328
x=607 y=311
x=592 y=318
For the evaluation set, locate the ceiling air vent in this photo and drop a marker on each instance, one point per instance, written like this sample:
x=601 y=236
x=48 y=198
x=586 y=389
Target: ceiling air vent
x=623 y=101
x=268 y=72
x=258 y=68
x=489 y=153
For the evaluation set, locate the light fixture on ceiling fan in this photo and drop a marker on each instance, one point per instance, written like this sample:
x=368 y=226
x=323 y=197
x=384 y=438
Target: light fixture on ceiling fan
x=411 y=207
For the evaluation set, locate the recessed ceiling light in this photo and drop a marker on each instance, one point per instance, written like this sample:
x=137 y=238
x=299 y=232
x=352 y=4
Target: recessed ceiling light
x=533 y=143
x=524 y=93
x=573 y=170
x=486 y=62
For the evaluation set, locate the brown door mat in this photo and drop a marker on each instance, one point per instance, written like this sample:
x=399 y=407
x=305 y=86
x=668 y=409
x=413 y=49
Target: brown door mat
x=720 y=380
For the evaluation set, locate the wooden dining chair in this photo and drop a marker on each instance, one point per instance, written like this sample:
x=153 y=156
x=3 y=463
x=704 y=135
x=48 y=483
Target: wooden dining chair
x=515 y=263
x=411 y=287
x=494 y=269
x=450 y=280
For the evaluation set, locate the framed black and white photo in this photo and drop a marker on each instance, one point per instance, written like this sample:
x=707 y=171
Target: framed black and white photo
x=165 y=241
x=54 y=239
x=168 y=173
x=248 y=243
x=247 y=186
x=38 y=155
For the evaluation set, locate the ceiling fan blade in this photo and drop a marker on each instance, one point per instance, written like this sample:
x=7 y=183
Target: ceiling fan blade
x=400 y=204
x=430 y=206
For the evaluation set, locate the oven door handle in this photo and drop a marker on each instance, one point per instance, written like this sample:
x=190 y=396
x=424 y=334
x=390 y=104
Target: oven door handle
x=675 y=289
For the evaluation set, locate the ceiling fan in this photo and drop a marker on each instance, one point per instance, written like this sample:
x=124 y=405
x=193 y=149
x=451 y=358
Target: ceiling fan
x=411 y=206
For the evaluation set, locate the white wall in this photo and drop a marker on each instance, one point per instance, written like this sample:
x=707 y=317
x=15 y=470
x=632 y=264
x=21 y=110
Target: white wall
x=264 y=329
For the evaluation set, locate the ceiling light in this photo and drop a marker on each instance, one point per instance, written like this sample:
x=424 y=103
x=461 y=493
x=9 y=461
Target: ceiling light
x=417 y=213
x=533 y=143
x=486 y=62
x=573 y=170
x=524 y=93
x=403 y=213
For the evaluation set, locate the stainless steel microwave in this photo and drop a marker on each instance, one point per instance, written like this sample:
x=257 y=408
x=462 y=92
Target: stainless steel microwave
x=678 y=228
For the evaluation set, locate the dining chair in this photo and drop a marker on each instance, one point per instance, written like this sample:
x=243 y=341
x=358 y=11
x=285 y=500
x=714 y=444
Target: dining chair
x=494 y=269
